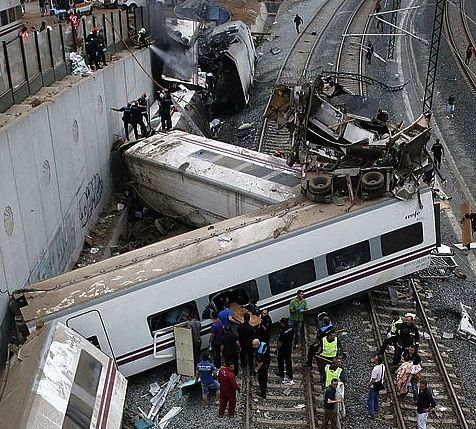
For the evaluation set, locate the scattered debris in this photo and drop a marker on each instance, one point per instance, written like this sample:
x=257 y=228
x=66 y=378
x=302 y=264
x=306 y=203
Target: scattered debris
x=448 y=335
x=275 y=51
x=164 y=421
x=299 y=406
x=159 y=398
x=78 y=65
x=442 y=264
x=466 y=328
x=246 y=125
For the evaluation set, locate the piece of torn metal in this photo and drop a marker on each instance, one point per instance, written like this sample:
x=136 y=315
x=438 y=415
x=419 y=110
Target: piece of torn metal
x=164 y=421
x=466 y=328
x=159 y=399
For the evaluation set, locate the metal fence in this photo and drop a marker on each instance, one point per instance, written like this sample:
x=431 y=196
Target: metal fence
x=28 y=64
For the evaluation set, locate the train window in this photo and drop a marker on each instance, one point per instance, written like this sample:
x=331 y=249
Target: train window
x=94 y=341
x=171 y=317
x=242 y=294
x=348 y=257
x=83 y=392
x=292 y=277
x=401 y=239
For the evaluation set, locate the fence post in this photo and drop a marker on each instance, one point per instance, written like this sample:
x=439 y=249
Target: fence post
x=62 y=44
x=134 y=11
x=25 y=67
x=104 y=28
x=120 y=25
x=38 y=56
x=113 y=32
x=84 y=33
x=94 y=20
x=50 y=49
x=142 y=17
x=9 y=72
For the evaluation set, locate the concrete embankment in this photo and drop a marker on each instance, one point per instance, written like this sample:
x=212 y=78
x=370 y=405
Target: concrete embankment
x=55 y=172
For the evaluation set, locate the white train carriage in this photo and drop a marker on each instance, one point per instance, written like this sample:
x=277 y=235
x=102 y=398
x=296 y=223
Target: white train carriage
x=59 y=380
x=129 y=303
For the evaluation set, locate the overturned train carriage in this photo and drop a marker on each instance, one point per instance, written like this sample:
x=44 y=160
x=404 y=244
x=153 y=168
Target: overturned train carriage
x=58 y=379
x=128 y=304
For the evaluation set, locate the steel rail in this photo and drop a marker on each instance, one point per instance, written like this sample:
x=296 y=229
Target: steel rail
x=449 y=24
x=293 y=50
x=356 y=14
x=439 y=359
x=398 y=411
x=309 y=391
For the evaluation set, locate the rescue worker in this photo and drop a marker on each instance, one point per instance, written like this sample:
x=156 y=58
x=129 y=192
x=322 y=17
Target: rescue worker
x=228 y=388
x=284 y=349
x=127 y=119
x=438 y=152
x=137 y=118
x=262 y=359
x=329 y=348
x=143 y=103
x=246 y=334
x=102 y=47
x=334 y=371
x=204 y=372
x=230 y=348
x=407 y=335
x=297 y=308
x=264 y=329
x=92 y=48
x=165 y=104
x=425 y=403
x=391 y=332
x=377 y=9
x=298 y=21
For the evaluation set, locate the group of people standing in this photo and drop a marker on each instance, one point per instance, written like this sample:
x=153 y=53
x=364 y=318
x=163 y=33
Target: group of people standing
x=136 y=114
x=404 y=337
x=96 y=48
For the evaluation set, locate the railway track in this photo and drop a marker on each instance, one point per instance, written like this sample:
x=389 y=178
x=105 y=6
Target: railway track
x=459 y=35
x=295 y=67
x=286 y=406
x=405 y=297
x=351 y=56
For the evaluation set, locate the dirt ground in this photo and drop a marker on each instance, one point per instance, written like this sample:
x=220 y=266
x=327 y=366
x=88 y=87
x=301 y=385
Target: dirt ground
x=242 y=10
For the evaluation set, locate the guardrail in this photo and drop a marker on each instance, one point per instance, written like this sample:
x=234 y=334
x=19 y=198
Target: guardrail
x=29 y=63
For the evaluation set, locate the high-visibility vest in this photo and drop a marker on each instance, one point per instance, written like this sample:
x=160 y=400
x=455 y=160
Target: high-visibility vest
x=331 y=374
x=394 y=327
x=329 y=349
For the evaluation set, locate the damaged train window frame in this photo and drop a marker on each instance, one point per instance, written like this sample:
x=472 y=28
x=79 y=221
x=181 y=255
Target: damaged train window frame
x=343 y=257
x=292 y=277
x=402 y=239
x=80 y=408
x=183 y=309
x=249 y=288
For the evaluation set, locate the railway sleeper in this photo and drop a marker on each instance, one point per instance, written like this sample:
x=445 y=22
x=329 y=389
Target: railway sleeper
x=282 y=423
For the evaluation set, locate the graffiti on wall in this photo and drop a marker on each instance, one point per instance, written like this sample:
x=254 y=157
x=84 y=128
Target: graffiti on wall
x=90 y=199
x=57 y=257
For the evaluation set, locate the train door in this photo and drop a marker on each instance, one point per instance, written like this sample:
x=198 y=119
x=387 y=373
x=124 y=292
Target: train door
x=184 y=350
x=91 y=327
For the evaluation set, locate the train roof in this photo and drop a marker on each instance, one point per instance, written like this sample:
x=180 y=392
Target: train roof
x=159 y=259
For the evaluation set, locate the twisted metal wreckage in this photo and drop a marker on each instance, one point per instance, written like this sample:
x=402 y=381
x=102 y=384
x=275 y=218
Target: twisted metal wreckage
x=347 y=145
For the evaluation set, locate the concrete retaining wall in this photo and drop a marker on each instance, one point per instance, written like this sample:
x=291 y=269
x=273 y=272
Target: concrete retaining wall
x=54 y=171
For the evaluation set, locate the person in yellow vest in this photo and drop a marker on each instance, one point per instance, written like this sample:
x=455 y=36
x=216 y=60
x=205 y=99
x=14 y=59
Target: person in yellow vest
x=329 y=349
x=334 y=371
x=391 y=339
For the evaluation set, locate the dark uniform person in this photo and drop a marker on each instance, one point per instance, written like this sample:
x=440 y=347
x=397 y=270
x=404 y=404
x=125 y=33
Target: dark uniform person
x=246 y=334
x=284 y=350
x=138 y=120
x=438 y=152
x=298 y=21
x=264 y=328
x=92 y=48
x=262 y=359
x=127 y=119
x=391 y=332
x=230 y=348
x=165 y=104
x=407 y=335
